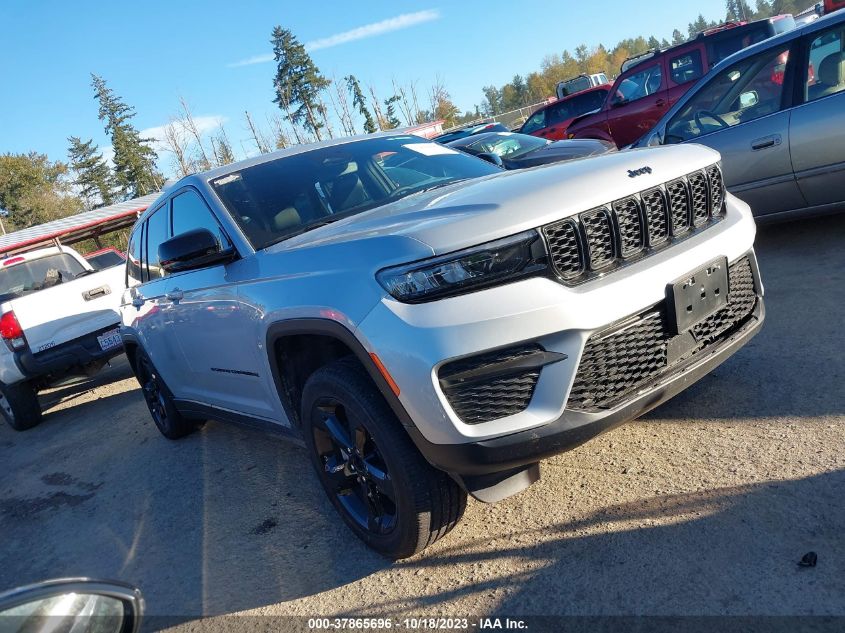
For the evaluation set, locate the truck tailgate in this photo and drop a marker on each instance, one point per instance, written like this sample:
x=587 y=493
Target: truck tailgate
x=71 y=309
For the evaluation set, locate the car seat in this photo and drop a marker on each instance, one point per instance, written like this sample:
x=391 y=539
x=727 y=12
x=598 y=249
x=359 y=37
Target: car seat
x=830 y=77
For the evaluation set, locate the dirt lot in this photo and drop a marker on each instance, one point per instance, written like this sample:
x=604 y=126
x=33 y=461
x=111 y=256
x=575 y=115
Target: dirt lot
x=703 y=507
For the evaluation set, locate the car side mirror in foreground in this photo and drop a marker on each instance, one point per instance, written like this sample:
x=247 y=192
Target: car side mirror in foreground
x=491 y=158
x=193 y=249
x=75 y=604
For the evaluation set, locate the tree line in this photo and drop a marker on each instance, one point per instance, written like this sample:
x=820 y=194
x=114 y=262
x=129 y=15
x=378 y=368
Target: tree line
x=538 y=85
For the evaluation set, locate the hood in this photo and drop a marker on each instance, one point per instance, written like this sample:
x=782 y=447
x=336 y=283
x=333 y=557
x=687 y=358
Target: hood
x=472 y=212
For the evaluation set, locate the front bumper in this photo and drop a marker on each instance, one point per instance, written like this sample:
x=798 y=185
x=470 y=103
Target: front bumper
x=573 y=428
x=68 y=356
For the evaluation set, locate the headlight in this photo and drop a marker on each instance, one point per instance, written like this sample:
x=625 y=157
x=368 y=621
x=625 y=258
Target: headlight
x=463 y=271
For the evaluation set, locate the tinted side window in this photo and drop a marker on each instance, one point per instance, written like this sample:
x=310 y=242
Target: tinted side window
x=587 y=102
x=536 y=122
x=750 y=89
x=826 y=69
x=190 y=212
x=134 y=255
x=641 y=84
x=687 y=67
x=158 y=230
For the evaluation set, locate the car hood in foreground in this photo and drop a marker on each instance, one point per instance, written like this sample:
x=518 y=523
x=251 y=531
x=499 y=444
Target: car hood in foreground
x=472 y=212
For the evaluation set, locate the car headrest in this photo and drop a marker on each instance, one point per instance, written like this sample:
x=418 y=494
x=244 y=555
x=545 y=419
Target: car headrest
x=286 y=219
x=832 y=69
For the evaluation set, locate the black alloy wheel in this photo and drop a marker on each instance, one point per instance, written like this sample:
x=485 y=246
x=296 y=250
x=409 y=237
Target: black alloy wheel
x=354 y=469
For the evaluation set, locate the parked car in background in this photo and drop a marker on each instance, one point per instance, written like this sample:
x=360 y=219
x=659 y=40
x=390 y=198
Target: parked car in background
x=476 y=128
x=578 y=84
x=651 y=83
x=58 y=318
x=105 y=258
x=429 y=324
x=518 y=151
x=776 y=113
x=833 y=5
x=552 y=120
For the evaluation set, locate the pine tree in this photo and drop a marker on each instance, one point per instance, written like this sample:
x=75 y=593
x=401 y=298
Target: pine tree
x=358 y=101
x=134 y=160
x=93 y=176
x=678 y=37
x=298 y=82
x=390 y=113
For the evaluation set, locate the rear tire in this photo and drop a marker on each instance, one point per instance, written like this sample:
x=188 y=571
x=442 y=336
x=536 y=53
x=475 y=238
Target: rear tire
x=172 y=424
x=19 y=405
x=385 y=491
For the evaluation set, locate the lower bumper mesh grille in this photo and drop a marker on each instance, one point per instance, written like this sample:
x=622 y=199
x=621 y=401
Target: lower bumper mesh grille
x=496 y=397
x=619 y=361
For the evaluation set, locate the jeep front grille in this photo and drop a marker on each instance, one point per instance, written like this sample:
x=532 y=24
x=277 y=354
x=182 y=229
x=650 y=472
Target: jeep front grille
x=629 y=355
x=606 y=237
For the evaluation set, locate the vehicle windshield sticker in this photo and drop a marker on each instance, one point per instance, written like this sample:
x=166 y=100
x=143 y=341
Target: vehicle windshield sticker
x=225 y=180
x=430 y=149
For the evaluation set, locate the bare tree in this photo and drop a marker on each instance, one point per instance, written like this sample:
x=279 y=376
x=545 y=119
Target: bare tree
x=281 y=139
x=377 y=109
x=404 y=106
x=341 y=108
x=260 y=140
x=418 y=118
x=191 y=128
x=176 y=143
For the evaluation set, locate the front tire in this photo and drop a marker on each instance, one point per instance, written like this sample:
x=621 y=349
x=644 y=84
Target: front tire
x=19 y=406
x=383 y=488
x=172 y=424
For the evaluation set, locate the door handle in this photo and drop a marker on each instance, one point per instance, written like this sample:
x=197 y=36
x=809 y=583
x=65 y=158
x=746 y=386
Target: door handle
x=660 y=103
x=766 y=142
x=174 y=295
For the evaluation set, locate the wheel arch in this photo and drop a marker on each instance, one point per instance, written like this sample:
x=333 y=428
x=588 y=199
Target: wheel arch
x=327 y=340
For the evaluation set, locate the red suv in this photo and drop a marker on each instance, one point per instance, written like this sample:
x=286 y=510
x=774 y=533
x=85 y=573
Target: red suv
x=552 y=120
x=651 y=83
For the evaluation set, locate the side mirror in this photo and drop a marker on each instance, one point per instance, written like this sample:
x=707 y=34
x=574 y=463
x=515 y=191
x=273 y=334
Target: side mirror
x=193 y=249
x=492 y=158
x=76 y=604
x=748 y=99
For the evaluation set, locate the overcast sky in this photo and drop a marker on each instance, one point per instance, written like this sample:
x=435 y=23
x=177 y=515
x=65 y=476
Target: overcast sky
x=216 y=54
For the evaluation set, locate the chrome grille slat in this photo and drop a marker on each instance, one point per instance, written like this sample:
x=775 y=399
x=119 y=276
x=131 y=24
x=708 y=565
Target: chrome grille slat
x=631 y=229
x=698 y=198
x=657 y=219
x=603 y=238
x=598 y=227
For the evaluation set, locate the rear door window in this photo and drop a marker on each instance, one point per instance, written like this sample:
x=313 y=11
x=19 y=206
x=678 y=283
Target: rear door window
x=825 y=74
x=135 y=256
x=686 y=67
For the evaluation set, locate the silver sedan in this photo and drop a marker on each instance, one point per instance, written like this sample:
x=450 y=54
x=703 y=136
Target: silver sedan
x=776 y=113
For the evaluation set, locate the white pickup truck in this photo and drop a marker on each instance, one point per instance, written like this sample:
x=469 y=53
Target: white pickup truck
x=58 y=318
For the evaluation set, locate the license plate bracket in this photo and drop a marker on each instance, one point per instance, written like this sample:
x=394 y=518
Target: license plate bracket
x=110 y=339
x=697 y=295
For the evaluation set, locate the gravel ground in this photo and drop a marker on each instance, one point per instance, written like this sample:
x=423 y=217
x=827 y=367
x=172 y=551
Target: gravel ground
x=702 y=507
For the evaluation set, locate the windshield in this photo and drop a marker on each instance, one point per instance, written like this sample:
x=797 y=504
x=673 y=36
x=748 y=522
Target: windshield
x=105 y=260
x=22 y=279
x=289 y=195
x=507 y=144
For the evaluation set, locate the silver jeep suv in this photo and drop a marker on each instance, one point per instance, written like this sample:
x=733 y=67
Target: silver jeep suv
x=428 y=324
